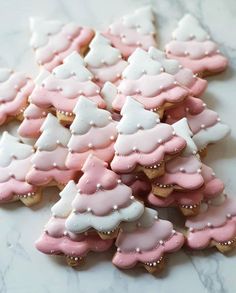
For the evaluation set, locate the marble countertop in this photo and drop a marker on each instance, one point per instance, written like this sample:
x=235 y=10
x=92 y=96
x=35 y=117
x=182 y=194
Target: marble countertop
x=22 y=268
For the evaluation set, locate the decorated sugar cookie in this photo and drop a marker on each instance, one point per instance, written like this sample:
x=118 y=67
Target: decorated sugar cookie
x=184 y=171
x=57 y=240
x=53 y=40
x=48 y=163
x=33 y=120
x=108 y=93
x=143 y=142
x=192 y=46
x=189 y=202
x=104 y=61
x=61 y=89
x=145 y=81
x=15 y=162
x=146 y=242
x=206 y=126
x=15 y=88
x=183 y=75
x=93 y=132
x=102 y=202
x=132 y=31
x=214 y=226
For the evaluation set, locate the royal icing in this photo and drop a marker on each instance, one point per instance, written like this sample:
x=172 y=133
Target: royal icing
x=104 y=61
x=132 y=31
x=183 y=76
x=15 y=88
x=103 y=201
x=15 y=163
x=108 y=93
x=136 y=127
x=49 y=159
x=145 y=81
x=93 y=132
x=61 y=89
x=146 y=240
x=191 y=45
x=54 y=40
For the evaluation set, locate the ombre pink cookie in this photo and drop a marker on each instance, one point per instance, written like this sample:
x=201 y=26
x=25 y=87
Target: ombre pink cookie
x=33 y=120
x=191 y=45
x=53 y=41
x=62 y=88
x=15 y=88
x=135 y=30
x=146 y=241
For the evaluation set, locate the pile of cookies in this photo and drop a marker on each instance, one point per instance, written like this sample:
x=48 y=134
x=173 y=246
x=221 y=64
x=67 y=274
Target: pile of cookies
x=120 y=127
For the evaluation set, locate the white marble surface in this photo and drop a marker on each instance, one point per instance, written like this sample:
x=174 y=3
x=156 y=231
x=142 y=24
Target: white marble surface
x=22 y=268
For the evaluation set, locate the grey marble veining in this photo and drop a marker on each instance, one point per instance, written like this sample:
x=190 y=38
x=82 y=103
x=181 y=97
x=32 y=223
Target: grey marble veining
x=22 y=268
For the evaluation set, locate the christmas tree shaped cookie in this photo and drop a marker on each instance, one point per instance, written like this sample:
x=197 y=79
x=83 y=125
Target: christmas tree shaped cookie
x=192 y=46
x=57 y=240
x=15 y=88
x=183 y=172
x=104 y=61
x=93 y=132
x=53 y=40
x=145 y=81
x=183 y=76
x=189 y=201
x=49 y=160
x=15 y=162
x=132 y=31
x=102 y=202
x=61 y=89
x=215 y=225
x=146 y=241
x=143 y=143
x=33 y=120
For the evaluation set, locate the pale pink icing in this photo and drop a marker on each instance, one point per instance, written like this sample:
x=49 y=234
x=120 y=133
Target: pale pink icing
x=14 y=187
x=202 y=238
x=65 y=100
x=128 y=39
x=104 y=201
x=197 y=59
x=39 y=177
x=14 y=93
x=147 y=240
x=153 y=91
x=64 y=245
x=110 y=73
x=139 y=184
x=128 y=163
x=45 y=160
x=71 y=38
x=189 y=179
x=96 y=169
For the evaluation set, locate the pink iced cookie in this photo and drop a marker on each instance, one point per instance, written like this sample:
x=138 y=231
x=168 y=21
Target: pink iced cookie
x=214 y=226
x=53 y=41
x=33 y=120
x=137 y=127
x=15 y=162
x=48 y=163
x=146 y=241
x=189 y=202
x=93 y=132
x=104 y=61
x=191 y=45
x=184 y=171
x=57 y=240
x=102 y=201
x=62 y=88
x=132 y=31
x=183 y=76
x=145 y=81
x=15 y=88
